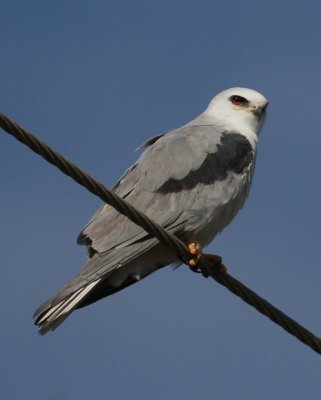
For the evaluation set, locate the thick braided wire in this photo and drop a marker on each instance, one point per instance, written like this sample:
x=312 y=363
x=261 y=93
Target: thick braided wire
x=207 y=268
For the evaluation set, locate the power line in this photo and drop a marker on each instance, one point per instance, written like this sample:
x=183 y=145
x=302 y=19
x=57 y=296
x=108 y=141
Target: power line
x=207 y=265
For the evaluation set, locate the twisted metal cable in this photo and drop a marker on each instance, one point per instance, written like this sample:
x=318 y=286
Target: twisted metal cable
x=95 y=187
x=207 y=267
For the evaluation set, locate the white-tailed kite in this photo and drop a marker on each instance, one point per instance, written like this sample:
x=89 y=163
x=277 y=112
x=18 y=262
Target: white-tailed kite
x=192 y=181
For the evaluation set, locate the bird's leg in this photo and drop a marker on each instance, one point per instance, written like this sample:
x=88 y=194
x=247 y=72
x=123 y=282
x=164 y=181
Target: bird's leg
x=196 y=251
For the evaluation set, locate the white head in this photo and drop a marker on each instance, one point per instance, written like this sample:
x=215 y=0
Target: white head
x=238 y=108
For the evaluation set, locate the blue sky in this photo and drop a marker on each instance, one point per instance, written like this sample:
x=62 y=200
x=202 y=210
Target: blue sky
x=95 y=80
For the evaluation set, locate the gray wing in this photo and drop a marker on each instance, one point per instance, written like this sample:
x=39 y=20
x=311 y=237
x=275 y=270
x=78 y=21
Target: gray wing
x=169 y=158
x=165 y=183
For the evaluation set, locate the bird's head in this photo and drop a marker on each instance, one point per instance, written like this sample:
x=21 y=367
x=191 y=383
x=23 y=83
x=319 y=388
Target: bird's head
x=238 y=107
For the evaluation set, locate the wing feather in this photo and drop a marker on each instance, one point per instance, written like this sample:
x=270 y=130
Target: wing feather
x=172 y=156
x=185 y=162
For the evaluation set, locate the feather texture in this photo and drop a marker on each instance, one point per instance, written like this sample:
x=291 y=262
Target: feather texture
x=192 y=181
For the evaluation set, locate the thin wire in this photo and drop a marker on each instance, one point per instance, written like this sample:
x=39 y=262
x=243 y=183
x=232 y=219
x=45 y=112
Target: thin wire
x=207 y=267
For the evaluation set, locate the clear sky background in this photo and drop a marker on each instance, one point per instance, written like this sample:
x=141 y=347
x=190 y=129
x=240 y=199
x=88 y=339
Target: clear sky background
x=95 y=79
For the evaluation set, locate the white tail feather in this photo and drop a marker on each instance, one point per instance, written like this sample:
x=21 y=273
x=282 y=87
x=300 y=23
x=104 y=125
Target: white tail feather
x=55 y=315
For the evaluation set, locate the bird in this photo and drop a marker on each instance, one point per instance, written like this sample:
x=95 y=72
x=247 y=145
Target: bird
x=191 y=180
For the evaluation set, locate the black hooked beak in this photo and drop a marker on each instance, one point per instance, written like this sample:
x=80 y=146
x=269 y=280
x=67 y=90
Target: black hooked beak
x=259 y=110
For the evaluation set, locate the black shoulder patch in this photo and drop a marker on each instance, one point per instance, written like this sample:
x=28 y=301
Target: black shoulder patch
x=234 y=153
x=237 y=152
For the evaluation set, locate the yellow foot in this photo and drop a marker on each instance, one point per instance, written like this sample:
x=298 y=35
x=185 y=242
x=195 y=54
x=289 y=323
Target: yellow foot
x=197 y=255
x=196 y=252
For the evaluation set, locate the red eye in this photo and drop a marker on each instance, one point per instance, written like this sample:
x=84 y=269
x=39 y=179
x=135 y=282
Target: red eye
x=238 y=100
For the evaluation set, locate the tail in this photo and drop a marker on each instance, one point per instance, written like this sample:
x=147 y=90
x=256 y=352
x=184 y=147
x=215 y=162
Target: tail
x=48 y=317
